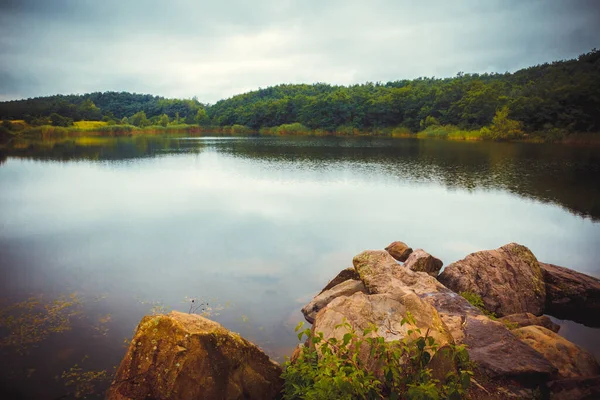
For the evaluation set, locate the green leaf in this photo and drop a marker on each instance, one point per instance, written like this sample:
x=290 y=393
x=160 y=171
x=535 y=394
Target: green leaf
x=347 y=338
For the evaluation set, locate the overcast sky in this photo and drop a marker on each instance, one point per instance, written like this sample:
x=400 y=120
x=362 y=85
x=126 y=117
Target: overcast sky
x=216 y=49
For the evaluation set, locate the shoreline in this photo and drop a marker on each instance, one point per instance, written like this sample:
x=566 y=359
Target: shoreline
x=52 y=132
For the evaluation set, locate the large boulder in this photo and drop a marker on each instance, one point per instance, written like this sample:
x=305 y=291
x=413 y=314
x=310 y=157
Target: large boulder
x=508 y=279
x=186 y=356
x=526 y=319
x=570 y=360
x=346 y=288
x=496 y=352
x=421 y=261
x=490 y=344
x=571 y=295
x=399 y=250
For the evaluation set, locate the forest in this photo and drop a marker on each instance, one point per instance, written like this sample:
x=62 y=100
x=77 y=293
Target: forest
x=551 y=100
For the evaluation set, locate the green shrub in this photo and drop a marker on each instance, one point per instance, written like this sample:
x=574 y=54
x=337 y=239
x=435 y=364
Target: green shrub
x=503 y=128
x=477 y=301
x=336 y=369
x=295 y=128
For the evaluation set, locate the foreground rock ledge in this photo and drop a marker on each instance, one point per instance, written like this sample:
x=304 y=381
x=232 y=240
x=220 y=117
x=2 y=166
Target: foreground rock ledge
x=186 y=356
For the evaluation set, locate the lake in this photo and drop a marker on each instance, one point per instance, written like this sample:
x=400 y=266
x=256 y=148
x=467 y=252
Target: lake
x=255 y=227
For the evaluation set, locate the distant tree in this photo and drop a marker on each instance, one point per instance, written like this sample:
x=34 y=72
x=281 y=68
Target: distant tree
x=124 y=121
x=429 y=121
x=139 y=119
x=87 y=110
x=201 y=117
x=59 y=120
x=504 y=128
x=163 y=120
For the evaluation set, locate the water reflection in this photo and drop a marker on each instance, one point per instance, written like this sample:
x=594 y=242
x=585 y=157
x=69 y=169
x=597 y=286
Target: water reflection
x=261 y=224
x=564 y=175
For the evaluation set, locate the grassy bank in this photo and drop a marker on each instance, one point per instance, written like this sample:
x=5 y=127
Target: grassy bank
x=440 y=132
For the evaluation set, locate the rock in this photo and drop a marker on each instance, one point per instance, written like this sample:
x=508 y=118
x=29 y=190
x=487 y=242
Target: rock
x=346 y=288
x=344 y=275
x=186 y=356
x=570 y=360
x=399 y=250
x=496 y=351
x=509 y=279
x=575 y=388
x=386 y=311
x=527 y=319
x=571 y=295
x=422 y=261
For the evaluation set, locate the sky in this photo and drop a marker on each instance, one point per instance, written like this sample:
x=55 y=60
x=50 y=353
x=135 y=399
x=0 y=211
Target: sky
x=213 y=50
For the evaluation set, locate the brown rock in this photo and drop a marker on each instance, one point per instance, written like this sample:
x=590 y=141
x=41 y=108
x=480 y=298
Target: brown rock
x=572 y=295
x=186 y=356
x=508 y=279
x=344 y=275
x=386 y=311
x=527 y=319
x=346 y=288
x=570 y=360
x=489 y=343
x=399 y=250
x=575 y=388
x=422 y=261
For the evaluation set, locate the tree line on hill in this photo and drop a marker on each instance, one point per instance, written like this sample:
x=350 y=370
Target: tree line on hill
x=551 y=99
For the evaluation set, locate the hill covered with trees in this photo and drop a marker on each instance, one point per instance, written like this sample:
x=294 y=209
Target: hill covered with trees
x=550 y=100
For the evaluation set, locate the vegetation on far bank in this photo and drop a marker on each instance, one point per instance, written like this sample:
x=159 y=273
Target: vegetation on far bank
x=549 y=102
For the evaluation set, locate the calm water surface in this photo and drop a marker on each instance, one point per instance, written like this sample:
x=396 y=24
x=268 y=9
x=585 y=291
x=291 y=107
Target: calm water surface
x=256 y=226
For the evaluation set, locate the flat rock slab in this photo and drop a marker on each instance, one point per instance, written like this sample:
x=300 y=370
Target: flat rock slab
x=571 y=360
x=509 y=279
x=527 y=319
x=571 y=295
x=587 y=388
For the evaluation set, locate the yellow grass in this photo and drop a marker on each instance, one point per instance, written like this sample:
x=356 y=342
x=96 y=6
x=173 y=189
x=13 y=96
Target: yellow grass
x=89 y=124
x=92 y=141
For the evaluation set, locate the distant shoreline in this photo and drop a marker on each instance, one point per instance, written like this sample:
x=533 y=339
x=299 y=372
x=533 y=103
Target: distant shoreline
x=454 y=134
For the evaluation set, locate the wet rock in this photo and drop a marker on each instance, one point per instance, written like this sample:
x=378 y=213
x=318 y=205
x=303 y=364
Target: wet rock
x=571 y=295
x=514 y=321
x=344 y=275
x=186 y=356
x=509 y=279
x=399 y=250
x=570 y=360
x=346 y=288
x=422 y=261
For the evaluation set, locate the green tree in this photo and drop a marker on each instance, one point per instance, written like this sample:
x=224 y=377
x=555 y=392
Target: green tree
x=163 y=120
x=201 y=117
x=139 y=119
x=59 y=120
x=504 y=128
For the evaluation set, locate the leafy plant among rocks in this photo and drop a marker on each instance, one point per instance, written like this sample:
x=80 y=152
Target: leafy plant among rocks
x=400 y=369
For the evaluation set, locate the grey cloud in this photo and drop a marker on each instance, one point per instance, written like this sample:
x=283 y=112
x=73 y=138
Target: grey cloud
x=217 y=49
